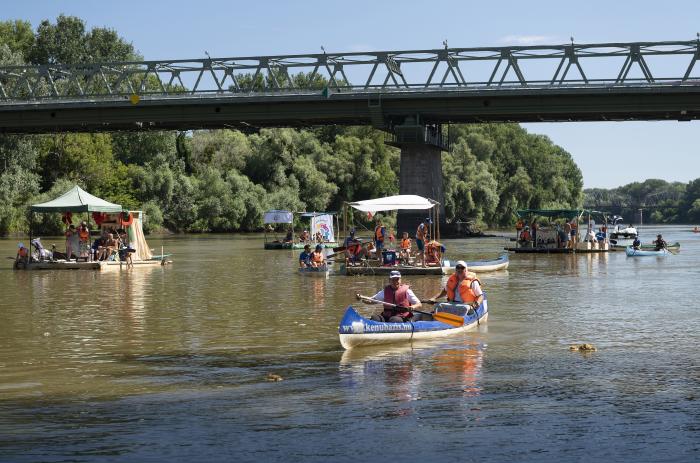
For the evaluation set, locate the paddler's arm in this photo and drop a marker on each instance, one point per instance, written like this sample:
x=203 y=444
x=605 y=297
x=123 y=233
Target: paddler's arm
x=476 y=288
x=413 y=300
x=442 y=294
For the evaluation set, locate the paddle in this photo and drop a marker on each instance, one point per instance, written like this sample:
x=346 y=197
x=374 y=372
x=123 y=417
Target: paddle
x=470 y=309
x=448 y=318
x=339 y=248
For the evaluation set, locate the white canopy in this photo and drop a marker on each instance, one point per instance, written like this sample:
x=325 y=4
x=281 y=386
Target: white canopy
x=278 y=217
x=393 y=203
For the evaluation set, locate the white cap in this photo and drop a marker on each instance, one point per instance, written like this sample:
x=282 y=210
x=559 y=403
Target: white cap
x=460 y=262
x=394 y=274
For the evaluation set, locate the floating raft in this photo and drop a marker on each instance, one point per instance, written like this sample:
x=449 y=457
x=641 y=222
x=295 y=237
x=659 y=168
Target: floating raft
x=385 y=270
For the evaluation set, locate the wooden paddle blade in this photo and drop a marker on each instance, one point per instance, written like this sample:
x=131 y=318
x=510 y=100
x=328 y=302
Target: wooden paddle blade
x=450 y=319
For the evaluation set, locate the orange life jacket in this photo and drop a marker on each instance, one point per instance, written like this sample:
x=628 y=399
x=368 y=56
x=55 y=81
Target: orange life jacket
x=519 y=225
x=378 y=235
x=84 y=234
x=406 y=243
x=465 y=288
x=525 y=235
x=317 y=257
x=23 y=252
x=431 y=253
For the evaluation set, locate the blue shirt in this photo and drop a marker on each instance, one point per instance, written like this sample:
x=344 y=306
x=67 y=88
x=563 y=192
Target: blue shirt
x=305 y=257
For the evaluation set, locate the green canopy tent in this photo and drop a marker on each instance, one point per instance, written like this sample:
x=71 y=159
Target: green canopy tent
x=74 y=200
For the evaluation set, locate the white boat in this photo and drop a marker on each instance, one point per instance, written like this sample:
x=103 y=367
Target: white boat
x=621 y=235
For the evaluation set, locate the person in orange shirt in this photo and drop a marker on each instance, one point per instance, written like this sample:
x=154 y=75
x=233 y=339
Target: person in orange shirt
x=405 y=253
x=22 y=256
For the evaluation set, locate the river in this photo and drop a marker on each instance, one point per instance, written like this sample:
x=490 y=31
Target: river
x=172 y=363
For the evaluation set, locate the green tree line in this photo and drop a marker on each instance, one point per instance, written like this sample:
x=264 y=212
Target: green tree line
x=660 y=201
x=223 y=180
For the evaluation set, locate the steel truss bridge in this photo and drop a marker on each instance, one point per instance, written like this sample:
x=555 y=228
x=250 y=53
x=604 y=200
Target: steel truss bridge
x=570 y=82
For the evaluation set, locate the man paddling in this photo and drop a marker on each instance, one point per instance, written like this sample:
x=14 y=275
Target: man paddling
x=397 y=294
x=660 y=243
x=462 y=287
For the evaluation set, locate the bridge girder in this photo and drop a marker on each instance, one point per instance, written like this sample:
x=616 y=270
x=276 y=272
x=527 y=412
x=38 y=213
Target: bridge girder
x=304 y=110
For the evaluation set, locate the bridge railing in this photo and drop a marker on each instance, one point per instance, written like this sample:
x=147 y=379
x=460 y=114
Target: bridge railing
x=568 y=66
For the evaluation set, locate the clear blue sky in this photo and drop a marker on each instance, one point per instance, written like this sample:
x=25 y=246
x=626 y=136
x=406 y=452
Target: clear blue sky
x=609 y=154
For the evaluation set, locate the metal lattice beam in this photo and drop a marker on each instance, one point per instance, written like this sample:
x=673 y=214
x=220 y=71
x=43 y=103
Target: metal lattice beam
x=541 y=66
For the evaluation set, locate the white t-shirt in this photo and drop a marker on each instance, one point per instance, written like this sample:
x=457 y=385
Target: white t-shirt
x=412 y=299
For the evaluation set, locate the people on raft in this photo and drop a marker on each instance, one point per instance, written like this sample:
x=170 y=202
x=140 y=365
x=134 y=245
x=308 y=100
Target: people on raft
x=317 y=257
x=659 y=243
x=70 y=232
x=636 y=244
x=462 y=287
x=354 y=252
x=405 y=253
x=305 y=257
x=379 y=236
x=433 y=253
x=525 y=237
x=319 y=237
x=290 y=236
x=22 y=257
x=304 y=236
x=421 y=238
x=396 y=293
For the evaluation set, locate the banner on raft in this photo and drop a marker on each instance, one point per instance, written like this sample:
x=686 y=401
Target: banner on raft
x=323 y=224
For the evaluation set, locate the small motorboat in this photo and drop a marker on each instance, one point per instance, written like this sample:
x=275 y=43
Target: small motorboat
x=355 y=330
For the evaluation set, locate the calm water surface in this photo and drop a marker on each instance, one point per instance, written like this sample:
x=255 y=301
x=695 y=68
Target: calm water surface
x=170 y=364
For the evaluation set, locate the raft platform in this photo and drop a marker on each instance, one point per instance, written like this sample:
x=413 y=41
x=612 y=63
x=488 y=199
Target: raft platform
x=350 y=270
x=100 y=266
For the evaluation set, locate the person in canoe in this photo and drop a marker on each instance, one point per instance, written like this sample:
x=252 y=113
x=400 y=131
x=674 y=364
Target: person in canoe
x=462 y=287
x=659 y=243
x=305 y=257
x=636 y=244
x=395 y=293
x=317 y=257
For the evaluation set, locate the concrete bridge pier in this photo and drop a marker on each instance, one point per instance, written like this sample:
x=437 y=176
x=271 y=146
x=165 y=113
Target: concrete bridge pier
x=420 y=170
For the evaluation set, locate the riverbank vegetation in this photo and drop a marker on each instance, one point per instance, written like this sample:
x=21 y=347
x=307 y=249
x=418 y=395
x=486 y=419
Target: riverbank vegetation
x=223 y=180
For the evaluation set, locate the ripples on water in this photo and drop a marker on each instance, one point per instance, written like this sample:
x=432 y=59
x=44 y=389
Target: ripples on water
x=170 y=363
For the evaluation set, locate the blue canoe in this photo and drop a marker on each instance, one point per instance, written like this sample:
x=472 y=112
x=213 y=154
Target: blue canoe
x=355 y=330
x=631 y=252
x=315 y=271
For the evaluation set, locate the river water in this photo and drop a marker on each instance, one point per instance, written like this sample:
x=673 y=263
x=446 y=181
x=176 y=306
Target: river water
x=171 y=363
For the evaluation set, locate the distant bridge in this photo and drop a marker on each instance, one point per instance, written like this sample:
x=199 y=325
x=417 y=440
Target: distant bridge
x=570 y=82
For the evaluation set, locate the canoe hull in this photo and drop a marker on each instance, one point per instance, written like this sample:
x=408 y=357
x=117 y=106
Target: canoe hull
x=320 y=272
x=355 y=330
x=481 y=266
x=642 y=253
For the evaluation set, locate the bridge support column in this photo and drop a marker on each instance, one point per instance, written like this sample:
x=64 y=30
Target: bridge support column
x=421 y=174
x=420 y=169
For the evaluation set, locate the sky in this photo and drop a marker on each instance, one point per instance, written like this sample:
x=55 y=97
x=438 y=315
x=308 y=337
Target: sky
x=609 y=154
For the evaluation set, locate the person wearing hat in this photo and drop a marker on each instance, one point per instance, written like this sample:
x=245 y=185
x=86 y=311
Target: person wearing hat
x=660 y=243
x=394 y=293
x=317 y=257
x=462 y=287
x=421 y=238
x=353 y=249
x=22 y=256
